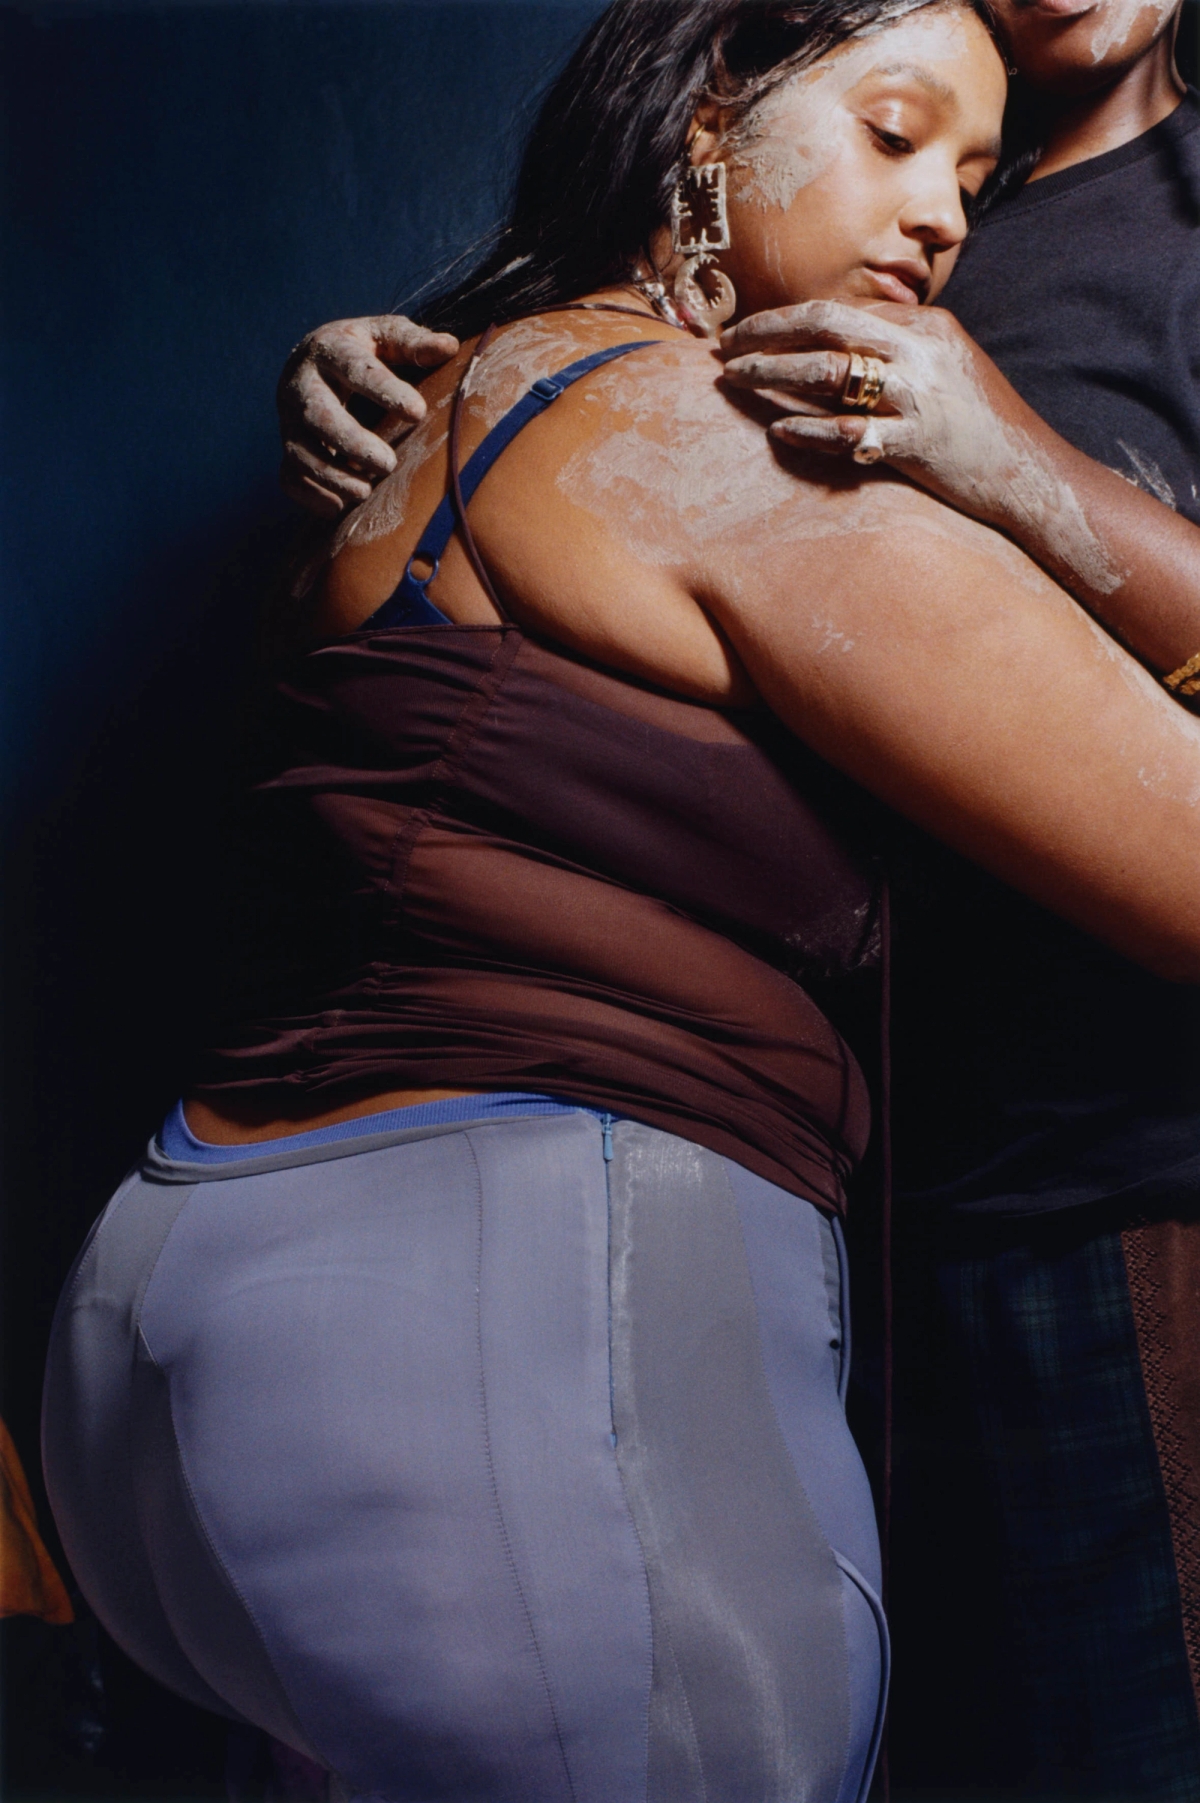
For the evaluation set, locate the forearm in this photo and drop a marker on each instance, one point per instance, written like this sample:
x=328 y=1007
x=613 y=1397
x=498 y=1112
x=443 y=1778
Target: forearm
x=1131 y=560
x=970 y=695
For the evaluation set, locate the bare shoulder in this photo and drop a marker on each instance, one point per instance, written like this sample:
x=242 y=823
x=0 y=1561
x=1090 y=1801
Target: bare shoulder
x=525 y=350
x=681 y=468
x=646 y=515
x=371 y=547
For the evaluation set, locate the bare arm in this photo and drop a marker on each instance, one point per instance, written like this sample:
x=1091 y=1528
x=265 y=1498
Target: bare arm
x=950 y=421
x=645 y=521
x=989 y=709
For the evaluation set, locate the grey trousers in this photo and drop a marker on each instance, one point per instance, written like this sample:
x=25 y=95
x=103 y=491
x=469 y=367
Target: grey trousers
x=480 y=1467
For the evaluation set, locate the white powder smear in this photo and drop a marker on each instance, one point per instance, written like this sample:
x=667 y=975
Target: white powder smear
x=968 y=447
x=1117 y=19
x=1147 y=475
x=680 y=473
x=525 y=351
x=791 y=136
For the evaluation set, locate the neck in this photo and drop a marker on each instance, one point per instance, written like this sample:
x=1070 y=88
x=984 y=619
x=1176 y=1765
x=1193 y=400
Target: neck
x=1138 y=98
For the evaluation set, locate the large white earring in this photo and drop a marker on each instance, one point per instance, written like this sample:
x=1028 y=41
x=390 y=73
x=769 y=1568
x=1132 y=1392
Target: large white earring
x=699 y=229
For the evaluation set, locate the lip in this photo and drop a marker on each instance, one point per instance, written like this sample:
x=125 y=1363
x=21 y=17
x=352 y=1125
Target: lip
x=906 y=283
x=1057 y=9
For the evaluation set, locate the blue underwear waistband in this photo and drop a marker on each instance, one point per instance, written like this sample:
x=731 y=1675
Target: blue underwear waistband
x=176 y=1139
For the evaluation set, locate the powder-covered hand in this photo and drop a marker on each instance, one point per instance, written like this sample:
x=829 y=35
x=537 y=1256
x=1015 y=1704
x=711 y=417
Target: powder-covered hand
x=941 y=417
x=330 y=461
x=947 y=419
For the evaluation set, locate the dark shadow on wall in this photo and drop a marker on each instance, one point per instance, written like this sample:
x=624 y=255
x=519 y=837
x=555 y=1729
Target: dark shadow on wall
x=187 y=189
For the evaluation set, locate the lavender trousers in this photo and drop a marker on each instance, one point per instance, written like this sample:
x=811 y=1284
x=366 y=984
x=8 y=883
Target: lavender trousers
x=484 y=1462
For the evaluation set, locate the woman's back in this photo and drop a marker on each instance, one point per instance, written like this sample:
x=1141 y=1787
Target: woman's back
x=593 y=523
x=648 y=523
x=548 y=875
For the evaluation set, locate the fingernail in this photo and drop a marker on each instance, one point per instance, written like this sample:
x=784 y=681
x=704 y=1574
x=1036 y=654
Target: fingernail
x=869 y=448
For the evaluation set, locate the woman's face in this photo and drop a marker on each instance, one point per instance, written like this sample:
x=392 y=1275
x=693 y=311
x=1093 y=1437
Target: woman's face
x=847 y=182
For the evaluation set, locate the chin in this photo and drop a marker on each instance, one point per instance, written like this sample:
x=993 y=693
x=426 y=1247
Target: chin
x=1061 y=62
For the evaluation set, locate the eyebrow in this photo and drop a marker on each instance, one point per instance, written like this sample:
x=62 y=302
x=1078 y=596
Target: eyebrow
x=934 y=85
x=922 y=76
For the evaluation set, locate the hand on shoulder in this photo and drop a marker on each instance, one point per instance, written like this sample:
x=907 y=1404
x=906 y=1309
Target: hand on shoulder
x=330 y=460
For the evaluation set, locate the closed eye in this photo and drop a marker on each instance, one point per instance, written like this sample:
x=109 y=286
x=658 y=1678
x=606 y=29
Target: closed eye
x=892 y=142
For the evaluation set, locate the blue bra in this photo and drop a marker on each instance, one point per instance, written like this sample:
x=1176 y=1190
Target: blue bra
x=409 y=603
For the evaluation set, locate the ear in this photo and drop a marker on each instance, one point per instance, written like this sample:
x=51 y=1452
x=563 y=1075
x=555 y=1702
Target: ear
x=706 y=133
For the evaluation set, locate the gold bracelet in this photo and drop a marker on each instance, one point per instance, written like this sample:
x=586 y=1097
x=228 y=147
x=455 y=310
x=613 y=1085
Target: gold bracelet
x=1178 y=681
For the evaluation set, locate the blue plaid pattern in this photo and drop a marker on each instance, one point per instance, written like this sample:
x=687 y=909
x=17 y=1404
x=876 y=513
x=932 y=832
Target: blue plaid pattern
x=1043 y=1317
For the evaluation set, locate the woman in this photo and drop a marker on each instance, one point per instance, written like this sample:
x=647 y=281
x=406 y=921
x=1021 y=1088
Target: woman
x=454 y=1391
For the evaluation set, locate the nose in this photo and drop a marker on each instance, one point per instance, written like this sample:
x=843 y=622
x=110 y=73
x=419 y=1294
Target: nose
x=933 y=213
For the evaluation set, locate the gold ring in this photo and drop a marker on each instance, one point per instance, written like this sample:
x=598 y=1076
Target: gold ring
x=863 y=385
x=1185 y=680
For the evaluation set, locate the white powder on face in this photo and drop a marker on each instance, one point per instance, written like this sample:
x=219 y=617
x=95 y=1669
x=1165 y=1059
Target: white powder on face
x=792 y=135
x=1117 y=19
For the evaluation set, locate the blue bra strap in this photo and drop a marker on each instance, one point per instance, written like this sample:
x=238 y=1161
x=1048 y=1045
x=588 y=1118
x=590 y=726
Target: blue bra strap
x=409 y=604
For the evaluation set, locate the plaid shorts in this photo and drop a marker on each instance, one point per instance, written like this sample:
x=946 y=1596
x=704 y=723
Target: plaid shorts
x=1042 y=1318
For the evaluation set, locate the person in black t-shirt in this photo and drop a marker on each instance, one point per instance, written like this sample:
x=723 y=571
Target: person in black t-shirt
x=1047 y=1093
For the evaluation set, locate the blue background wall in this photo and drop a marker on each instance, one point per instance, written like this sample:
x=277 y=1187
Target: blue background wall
x=187 y=189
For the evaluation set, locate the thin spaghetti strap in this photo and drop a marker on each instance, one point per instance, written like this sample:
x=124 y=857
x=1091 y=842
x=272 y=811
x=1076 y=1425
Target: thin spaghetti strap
x=409 y=603
x=456 y=495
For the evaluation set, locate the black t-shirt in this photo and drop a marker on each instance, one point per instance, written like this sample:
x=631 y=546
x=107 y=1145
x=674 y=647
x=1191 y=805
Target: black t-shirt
x=1035 y=1069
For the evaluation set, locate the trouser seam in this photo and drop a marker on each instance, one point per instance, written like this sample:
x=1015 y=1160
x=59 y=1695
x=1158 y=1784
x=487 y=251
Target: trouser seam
x=493 y=1483
x=201 y=1528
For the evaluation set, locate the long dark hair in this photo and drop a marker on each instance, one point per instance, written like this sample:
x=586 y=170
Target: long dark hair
x=596 y=179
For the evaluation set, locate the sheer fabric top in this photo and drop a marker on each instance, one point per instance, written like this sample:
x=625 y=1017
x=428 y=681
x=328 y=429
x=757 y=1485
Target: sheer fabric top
x=484 y=863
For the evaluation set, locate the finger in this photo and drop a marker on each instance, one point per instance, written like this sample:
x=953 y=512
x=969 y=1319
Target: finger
x=839 y=434
x=311 y=496
x=398 y=340
x=804 y=372
x=359 y=371
x=856 y=435
x=307 y=464
x=315 y=415
x=395 y=426
x=813 y=323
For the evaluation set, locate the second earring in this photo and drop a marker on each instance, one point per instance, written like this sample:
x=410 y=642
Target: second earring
x=699 y=230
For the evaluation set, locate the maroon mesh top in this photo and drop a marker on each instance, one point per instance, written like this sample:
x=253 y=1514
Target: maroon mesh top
x=487 y=864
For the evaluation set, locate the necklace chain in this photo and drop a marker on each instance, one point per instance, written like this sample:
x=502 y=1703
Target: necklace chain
x=657 y=295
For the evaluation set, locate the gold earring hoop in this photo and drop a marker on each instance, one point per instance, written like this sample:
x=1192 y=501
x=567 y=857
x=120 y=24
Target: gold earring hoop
x=699 y=231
